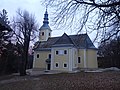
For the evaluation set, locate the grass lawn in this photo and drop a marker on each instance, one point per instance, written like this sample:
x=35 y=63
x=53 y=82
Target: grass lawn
x=64 y=81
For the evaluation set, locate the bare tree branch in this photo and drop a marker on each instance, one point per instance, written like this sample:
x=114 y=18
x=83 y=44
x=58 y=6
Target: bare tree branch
x=90 y=15
x=24 y=27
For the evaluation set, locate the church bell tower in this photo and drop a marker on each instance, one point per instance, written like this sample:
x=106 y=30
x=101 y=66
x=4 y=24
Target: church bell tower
x=45 y=31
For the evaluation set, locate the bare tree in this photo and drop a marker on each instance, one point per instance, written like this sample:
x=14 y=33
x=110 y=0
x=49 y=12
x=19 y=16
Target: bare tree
x=102 y=16
x=24 y=29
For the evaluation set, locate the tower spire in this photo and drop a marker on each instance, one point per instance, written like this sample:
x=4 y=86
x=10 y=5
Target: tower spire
x=46 y=17
x=45 y=30
x=45 y=21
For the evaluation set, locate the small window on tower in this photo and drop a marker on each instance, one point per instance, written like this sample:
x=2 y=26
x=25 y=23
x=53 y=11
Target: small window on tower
x=49 y=34
x=37 y=55
x=42 y=33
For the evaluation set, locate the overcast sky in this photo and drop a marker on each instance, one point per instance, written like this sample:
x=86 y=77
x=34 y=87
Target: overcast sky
x=34 y=7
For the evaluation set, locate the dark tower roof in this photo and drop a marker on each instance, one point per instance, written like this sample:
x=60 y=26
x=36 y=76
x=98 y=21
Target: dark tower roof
x=45 y=22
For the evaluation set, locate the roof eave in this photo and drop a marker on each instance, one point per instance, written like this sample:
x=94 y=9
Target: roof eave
x=43 y=49
x=63 y=45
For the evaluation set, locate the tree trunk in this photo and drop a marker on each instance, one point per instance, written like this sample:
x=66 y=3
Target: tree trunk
x=23 y=66
x=24 y=57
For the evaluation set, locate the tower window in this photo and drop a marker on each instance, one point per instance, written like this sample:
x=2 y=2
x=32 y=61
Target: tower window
x=42 y=33
x=49 y=34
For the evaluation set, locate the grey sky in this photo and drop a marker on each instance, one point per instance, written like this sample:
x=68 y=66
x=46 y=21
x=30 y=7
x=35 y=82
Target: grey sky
x=34 y=7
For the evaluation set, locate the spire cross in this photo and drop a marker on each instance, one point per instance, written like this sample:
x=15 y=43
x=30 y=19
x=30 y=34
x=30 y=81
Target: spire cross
x=46 y=7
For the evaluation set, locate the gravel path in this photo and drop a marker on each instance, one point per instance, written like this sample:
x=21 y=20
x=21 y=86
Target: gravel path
x=65 y=81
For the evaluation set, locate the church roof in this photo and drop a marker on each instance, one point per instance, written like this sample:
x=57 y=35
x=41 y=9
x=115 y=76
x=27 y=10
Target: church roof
x=81 y=41
x=64 y=39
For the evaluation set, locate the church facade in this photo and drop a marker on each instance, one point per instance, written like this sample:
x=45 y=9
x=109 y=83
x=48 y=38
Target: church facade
x=64 y=53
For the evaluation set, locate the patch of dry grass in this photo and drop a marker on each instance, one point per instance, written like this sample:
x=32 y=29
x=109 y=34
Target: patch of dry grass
x=66 y=81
